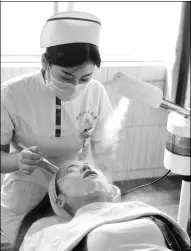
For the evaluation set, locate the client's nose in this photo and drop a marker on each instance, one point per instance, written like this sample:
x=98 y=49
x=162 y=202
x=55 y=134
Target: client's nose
x=85 y=168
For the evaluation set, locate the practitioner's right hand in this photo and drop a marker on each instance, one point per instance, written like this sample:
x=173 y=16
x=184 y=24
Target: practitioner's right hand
x=29 y=159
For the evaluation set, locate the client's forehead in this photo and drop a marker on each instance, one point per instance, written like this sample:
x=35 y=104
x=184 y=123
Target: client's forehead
x=64 y=167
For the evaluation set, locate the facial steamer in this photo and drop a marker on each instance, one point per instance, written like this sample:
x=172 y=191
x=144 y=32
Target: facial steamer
x=177 y=150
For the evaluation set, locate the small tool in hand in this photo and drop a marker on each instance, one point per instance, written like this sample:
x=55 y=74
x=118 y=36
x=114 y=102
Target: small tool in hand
x=50 y=167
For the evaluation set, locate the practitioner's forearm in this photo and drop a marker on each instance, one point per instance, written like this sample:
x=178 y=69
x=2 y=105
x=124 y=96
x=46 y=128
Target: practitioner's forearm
x=9 y=162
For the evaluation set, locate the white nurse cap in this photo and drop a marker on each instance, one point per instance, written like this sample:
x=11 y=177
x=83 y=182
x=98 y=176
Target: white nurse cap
x=71 y=27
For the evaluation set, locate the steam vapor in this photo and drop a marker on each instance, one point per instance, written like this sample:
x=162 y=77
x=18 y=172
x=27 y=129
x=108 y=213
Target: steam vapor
x=114 y=124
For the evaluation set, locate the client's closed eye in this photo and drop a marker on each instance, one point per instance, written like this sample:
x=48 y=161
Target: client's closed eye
x=72 y=168
x=67 y=79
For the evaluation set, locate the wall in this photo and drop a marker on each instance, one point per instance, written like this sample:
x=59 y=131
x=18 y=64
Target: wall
x=143 y=136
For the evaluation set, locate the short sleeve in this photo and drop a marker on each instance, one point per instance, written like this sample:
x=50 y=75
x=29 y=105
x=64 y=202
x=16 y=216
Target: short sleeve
x=105 y=110
x=7 y=126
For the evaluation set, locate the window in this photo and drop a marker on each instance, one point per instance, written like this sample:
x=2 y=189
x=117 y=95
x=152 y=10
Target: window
x=21 y=27
x=132 y=31
x=136 y=30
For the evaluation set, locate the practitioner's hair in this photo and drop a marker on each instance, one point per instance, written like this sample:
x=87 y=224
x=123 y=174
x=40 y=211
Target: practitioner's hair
x=74 y=54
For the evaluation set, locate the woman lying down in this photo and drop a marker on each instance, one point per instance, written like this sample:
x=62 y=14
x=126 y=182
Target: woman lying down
x=78 y=214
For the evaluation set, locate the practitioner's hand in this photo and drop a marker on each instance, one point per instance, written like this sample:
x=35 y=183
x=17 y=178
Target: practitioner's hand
x=29 y=159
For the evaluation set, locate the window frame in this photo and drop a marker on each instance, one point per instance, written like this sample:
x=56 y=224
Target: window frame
x=182 y=86
x=27 y=58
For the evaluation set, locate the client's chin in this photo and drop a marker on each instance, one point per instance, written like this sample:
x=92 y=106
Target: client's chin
x=96 y=196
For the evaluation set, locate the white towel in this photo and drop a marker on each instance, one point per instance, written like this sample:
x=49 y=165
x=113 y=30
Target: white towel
x=64 y=237
x=53 y=200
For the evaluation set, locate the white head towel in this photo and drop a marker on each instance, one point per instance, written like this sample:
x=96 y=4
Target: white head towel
x=53 y=200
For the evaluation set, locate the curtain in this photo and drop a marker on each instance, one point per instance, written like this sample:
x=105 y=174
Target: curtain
x=177 y=90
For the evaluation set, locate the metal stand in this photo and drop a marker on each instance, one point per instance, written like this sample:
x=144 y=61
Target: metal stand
x=177 y=159
x=184 y=204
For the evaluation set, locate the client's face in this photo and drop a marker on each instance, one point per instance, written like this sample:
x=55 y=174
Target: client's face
x=81 y=184
x=78 y=179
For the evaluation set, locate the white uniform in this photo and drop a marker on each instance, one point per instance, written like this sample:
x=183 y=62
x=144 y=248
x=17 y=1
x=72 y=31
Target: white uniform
x=28 y=117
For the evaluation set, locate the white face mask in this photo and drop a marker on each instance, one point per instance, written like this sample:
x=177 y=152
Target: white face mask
x=66 y=91
x=87 y=188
